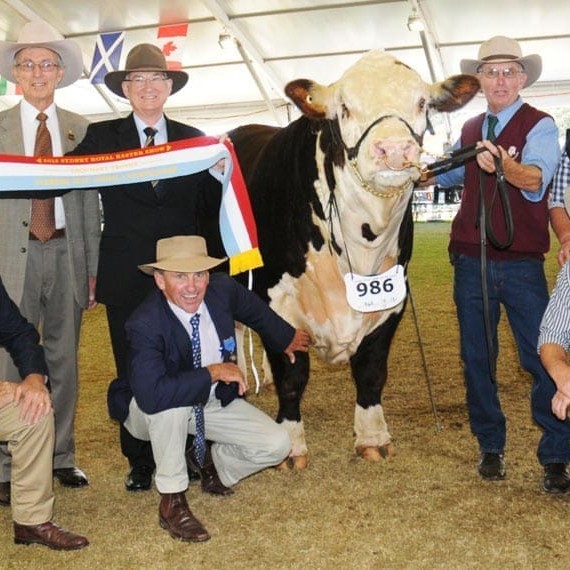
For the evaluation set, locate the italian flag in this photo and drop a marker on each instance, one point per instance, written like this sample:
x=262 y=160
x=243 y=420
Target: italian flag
x=9 y=88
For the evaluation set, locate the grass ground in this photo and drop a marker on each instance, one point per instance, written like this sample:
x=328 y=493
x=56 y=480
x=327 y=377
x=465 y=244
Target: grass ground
x=425 y=508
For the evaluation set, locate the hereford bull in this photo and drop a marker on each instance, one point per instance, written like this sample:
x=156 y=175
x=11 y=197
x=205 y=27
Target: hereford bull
x=331 y=194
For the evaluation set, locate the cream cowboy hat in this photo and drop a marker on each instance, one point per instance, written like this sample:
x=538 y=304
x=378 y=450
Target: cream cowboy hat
x=145 y=57
x=185 y=254
x=501 y=49
x=41 y=35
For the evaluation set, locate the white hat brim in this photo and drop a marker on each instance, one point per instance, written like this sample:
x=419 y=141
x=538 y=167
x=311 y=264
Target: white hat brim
x=532 y=66
x=68 y=51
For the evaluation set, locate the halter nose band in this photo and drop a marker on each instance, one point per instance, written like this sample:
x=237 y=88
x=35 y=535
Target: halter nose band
x=352 y=152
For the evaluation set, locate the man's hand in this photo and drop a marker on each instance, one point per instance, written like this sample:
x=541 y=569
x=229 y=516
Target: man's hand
x=228 y=372
x=301 y=341
x=560 y=403
x=33 y=397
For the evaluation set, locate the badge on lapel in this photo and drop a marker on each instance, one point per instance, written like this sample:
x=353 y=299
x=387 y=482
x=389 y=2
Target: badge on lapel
x=228 y=349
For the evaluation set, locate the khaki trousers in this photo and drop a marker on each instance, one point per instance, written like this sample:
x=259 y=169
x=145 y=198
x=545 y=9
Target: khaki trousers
x=245 y=440
x=31 y=447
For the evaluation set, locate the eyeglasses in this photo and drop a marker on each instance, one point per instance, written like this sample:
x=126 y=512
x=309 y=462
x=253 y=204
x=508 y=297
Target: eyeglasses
x=142 y=79
x=494 y=72
x=45 y=66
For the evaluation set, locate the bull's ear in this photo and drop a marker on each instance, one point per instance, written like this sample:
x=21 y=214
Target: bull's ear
x=453 y=93
x=310 y=97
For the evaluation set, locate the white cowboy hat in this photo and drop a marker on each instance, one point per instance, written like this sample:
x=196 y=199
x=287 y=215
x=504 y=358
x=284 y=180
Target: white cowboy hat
x=145 y=57
x=39 y=34
x=500 y=49
x=184 y=254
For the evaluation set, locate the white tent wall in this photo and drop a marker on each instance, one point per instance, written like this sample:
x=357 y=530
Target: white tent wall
x=280 y=40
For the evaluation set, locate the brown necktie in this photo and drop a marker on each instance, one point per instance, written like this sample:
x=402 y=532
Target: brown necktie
x=42 y=223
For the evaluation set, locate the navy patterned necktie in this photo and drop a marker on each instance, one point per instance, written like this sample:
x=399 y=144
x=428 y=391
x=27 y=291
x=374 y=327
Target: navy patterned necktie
x=200 y=438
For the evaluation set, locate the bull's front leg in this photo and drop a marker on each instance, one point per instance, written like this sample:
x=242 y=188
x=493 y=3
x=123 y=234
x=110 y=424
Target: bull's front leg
x=370 y=370
x=290 y=382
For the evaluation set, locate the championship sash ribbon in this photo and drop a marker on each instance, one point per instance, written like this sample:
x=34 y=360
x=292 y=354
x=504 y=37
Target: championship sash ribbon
x=178 y=158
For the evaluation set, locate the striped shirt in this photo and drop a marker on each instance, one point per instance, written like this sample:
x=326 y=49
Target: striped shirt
x=555 y=325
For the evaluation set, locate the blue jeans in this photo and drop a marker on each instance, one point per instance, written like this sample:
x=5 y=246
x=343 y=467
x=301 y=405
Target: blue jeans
x=520 y=286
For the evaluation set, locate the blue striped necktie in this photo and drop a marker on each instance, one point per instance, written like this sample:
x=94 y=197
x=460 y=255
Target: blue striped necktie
x=200 y=438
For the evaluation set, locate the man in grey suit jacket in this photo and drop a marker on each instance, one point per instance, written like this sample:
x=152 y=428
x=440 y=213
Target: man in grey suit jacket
x=51 y=279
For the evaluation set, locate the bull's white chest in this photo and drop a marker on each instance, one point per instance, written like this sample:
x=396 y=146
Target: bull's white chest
x=317 y=300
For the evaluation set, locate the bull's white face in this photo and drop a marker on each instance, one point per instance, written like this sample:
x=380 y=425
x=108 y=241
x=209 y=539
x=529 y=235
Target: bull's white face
x=379 y=86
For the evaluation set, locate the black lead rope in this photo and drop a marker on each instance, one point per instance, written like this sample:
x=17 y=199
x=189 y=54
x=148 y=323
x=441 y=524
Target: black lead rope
x=486 y=230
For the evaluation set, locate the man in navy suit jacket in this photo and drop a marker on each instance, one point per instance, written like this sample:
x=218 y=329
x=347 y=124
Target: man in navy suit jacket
x=27 y=423
x=157 y=401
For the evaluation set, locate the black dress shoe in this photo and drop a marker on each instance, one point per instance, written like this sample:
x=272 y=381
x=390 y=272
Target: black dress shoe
x=492 y=466
x=556 y=478
x=139 y=479
x=5 y=493
x=71 y=477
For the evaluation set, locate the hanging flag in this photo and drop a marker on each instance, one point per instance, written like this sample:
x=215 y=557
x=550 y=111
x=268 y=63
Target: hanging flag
x=171 y=40
x=9 y=88
x=106 y=56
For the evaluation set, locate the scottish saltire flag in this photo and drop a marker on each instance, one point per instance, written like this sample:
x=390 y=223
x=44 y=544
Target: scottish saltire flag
x=106 y=56
x=170 y=40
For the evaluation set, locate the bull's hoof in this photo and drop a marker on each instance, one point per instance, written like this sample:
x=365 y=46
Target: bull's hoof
x=297 y=463
x=375 y=454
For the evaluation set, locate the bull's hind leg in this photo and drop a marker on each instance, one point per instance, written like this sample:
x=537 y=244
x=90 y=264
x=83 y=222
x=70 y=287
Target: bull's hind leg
x=370 y=370
x=290 y=383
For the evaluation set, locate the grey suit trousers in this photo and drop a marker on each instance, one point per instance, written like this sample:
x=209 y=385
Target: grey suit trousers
x=48 y=302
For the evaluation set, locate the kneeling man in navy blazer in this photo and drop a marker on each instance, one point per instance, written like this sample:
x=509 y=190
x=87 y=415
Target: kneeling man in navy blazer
x=183 y=379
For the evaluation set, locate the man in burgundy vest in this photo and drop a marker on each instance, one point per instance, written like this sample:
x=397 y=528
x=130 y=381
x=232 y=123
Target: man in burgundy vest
x=497 y=246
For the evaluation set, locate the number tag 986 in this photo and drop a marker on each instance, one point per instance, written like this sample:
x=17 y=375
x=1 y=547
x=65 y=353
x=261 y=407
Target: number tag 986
x=367 y=293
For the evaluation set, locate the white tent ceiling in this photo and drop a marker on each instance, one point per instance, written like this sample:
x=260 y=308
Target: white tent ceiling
x=280 y=40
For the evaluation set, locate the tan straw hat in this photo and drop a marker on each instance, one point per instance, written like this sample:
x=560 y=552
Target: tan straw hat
x=185 y=254
x=145 y=57
x=500 y=49
x=38 y=34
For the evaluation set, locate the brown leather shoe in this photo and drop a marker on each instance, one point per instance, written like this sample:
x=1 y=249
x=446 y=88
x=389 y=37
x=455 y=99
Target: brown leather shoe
x=210 y=481
x=175 y=516
x=5 y=493
x=49 y=534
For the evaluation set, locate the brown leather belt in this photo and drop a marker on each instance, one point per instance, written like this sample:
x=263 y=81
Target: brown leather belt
x=57 y=234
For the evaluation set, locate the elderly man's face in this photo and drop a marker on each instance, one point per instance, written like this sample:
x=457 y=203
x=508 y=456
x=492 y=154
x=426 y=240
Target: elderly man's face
x=147 y=91
x=186 y=290
x=501 y=83
x=38 y=72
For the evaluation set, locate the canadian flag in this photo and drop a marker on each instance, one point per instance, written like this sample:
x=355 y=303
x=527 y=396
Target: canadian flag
x=171 y=40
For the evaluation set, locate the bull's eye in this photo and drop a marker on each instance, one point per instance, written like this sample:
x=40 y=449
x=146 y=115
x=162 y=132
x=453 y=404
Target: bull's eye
x=422 y=104
x=345 y=111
